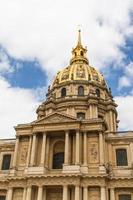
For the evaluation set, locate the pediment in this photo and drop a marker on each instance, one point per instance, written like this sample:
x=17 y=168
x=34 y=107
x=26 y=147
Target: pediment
x=55 y=118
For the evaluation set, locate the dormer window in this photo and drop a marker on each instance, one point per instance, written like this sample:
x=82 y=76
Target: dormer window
x=81 y=53
x=81 y=91
x=63 y=92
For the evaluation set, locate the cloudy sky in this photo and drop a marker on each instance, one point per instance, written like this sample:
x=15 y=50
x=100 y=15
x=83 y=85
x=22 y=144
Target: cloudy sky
x=36 y=38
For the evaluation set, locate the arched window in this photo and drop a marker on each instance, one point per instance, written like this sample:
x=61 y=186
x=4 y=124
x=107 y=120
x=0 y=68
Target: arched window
x=81 y=115
x=124 y=197
x=81 y=91
x=98 y=92
x=63 y=92
x=121 y=157
x=58 y=155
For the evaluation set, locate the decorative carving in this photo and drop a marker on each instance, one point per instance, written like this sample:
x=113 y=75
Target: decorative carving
x=94 y=194
x=23 y=154
x=18 y=194
x=93 y=152
x=80 y=73
x=65 y=74
x=55 y=118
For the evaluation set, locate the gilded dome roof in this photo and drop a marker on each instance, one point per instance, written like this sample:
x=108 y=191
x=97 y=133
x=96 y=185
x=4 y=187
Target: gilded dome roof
x=79 y=68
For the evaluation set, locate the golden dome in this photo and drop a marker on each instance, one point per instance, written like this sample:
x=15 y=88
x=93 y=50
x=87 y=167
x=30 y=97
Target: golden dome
x=79 y=68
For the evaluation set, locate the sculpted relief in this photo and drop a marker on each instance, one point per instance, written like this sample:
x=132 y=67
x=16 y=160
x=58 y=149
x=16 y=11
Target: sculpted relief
x=80 y=72
x=23 y=150
x=93 y=156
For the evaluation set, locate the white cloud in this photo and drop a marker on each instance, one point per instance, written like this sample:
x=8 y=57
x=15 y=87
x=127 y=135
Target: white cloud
x=5 y=66
x=46 y=29
x=16 y=106
x=127 y=79
x=124 y=82
x=125 y=112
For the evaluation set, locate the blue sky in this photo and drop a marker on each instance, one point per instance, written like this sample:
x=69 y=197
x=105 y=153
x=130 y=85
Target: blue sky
x=36 y=39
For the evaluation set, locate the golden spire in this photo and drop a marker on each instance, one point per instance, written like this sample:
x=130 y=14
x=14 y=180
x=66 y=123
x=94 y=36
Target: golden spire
x=79 y=52
x=79 y=38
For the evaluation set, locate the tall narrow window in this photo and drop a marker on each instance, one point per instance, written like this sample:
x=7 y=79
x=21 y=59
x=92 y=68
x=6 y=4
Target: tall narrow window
x=124 y=197
x=2 y=197
x=121 y=157
x=6 y=162
x=98 y=92
x=63 y=92
x=58 y=160
x=81 y=91
x=58 y=155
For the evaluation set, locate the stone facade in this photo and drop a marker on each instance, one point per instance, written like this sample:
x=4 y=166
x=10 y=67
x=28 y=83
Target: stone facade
x=73 y=150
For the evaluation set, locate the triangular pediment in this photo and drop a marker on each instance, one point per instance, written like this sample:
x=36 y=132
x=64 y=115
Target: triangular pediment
x=55 y=118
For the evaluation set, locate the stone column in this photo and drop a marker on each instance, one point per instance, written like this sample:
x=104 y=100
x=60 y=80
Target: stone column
x=101 y=148
x=47 y=152
x=77 y=192
x=9 y=194
x=33 y=150
x=43 y=151
x=85 y=193
x=29 y=151
x=112 y=194
x=85 y=149
x=24 y=194
x=103 y=193
x=28 y=195
x=15 y=152
x=40 y=193
x=65 y=192
x=66 y=147
x=77 y=160
x=44 y=193
x=131 y=152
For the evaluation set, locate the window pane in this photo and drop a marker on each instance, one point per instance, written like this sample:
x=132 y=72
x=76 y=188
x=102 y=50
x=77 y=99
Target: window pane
x=81 y=115
x=80 y=91
x=6 y=162
x=121 y=157
x=124 y=197
x=98 y=92
x=63 y=92
x=58 y=160
x=2 y=197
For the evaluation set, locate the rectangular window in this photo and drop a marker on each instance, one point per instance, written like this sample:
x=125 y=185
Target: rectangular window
x=6 y=162
x=121 y=157
x=124 y=197
x=81 y=115
x=2 y=197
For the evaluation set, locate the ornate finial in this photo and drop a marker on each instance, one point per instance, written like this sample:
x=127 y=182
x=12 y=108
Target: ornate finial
x=79 y=52
x=79 y=37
